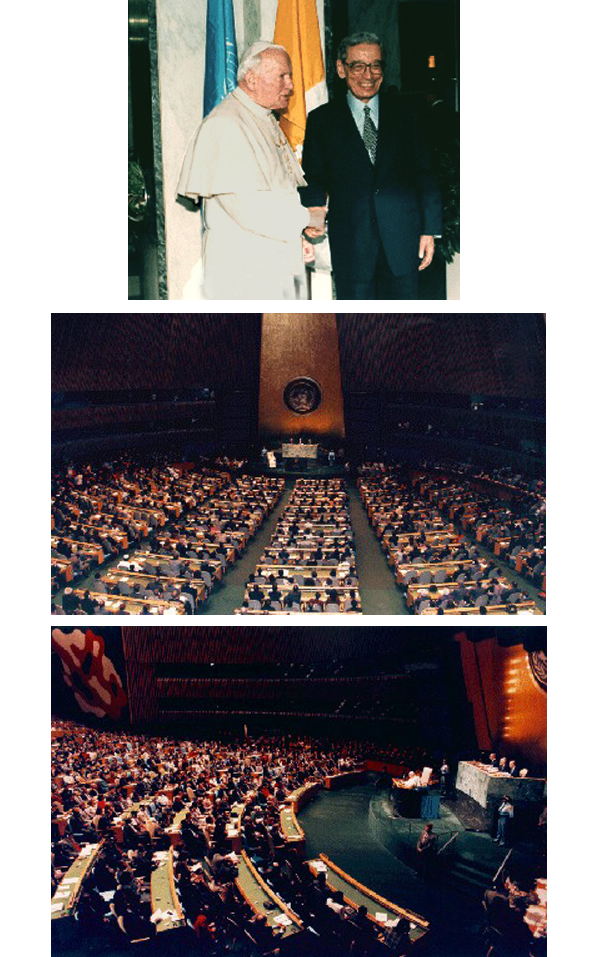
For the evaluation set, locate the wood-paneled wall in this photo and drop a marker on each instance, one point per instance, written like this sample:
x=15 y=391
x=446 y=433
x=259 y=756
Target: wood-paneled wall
x=301 y=344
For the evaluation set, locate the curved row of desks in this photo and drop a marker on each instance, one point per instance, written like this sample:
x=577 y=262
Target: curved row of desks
x=260 y=897
x=291 y=831
x=163 y=892
x=67 y=893
x=264 y=901
x=356 y=894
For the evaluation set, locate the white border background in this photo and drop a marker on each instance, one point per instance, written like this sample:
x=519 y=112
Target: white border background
x=529 y=214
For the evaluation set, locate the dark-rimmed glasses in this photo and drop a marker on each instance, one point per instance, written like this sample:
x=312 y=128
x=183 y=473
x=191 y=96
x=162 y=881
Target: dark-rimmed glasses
x=357 y=67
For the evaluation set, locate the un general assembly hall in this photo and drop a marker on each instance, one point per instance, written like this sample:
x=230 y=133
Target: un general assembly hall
x=236 y=789
x=284 y=464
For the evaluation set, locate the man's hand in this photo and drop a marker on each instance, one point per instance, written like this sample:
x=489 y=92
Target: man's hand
x=426 y=248
x=308 y=252
x=316 y=224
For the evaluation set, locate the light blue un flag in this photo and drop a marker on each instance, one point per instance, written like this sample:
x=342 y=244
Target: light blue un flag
x=220 y=73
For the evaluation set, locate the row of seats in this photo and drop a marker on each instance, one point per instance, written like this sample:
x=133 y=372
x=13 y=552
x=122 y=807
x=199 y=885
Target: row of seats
x=310 y=564
x=192 y=555
x=180 y=555
x=419 y=521
x=510 y=519
x=151 y=835
x=100 y=512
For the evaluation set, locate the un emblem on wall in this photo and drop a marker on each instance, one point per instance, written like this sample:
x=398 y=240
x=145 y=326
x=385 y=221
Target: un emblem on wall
x=538 y=663
x=302 y=395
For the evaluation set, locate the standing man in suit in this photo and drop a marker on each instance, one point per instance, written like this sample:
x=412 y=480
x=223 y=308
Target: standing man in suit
x=363 y=154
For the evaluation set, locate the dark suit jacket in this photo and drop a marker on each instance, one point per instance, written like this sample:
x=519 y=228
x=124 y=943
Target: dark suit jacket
x=394 y=201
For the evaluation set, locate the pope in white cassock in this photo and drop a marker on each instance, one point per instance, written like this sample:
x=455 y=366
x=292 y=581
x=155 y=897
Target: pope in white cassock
x=242 y=166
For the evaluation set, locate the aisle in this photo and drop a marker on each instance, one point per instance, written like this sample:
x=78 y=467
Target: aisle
x=378 y=591
x=230 y=594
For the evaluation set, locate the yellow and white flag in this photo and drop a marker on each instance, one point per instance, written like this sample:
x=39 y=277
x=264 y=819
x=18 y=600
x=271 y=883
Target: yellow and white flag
x=297 y=29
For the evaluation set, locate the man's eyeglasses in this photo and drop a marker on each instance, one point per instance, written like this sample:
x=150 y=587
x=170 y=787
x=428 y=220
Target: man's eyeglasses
x=357 y=67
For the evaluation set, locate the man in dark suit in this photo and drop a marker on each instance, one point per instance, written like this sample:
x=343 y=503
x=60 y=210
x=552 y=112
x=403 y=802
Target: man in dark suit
x=364 y=155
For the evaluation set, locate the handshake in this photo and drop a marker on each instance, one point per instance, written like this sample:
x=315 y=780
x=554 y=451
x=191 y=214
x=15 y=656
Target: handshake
x=316 y=225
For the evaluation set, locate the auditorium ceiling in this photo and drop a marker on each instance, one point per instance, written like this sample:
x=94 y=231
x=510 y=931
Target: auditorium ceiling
x=490 y=354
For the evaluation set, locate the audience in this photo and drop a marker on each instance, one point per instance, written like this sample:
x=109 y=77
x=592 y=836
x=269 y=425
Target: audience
x=124 y=792
x=137 y=538
x=174 y=531
x=421 y=520
x=309 y=565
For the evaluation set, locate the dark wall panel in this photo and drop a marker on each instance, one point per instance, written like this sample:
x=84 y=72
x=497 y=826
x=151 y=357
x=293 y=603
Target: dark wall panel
x=105 y=352
x=491 y=354
x=495 y=354
x=147 y=648
x=230 y=645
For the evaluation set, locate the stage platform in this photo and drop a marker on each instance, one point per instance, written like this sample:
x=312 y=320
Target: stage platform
x=356 y=826
x=482 y=790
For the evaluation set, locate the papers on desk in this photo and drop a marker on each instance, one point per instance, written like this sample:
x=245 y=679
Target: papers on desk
x=55 y=907
x=381 y=917
x=58 y=895
x=160 y=856
x=87 y=850
x=283 y=920
x=163 y=915
x=107 y=895
x=69 y=880
x=319 y=866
